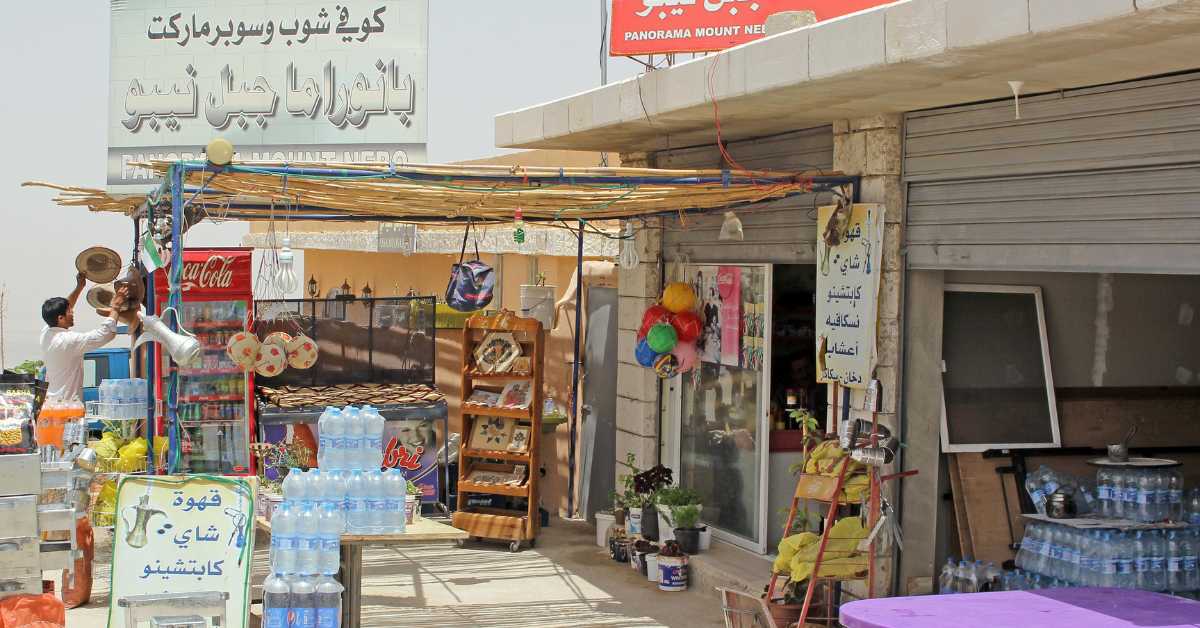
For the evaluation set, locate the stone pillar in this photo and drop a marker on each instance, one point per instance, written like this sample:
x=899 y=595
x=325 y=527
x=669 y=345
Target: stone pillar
x=637 y=387
x=870 y=147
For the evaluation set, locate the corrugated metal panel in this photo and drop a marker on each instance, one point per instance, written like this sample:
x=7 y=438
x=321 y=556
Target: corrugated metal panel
x=782 y=231
x=1097 y=179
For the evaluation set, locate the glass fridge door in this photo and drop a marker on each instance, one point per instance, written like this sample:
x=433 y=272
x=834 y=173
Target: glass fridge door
x=212 y=394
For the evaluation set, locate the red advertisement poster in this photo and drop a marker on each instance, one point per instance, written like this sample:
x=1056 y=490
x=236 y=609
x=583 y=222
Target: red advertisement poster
x=642 y=27
x=221 y=272
x=729 y=287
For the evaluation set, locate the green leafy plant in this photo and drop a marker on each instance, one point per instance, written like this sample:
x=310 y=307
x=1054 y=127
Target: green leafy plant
x=413 y=489
x=686 y=517
x=28 y=367
x=677 y=496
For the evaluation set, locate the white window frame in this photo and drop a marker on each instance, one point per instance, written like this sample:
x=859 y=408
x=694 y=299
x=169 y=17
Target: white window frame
x=1046 y=368
x=674 y=393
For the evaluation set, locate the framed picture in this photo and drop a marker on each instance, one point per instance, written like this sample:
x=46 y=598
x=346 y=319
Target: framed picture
x=491 y=433
x=496 y=353
x=517 y=395
x=519 y=442
x=485 y=398
x=522 y=365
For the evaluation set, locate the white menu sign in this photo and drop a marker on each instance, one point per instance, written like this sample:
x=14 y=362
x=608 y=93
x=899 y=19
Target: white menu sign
x=848 y=296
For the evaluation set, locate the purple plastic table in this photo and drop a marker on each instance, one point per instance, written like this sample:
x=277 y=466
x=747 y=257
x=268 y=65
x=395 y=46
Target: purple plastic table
x=1044 y=608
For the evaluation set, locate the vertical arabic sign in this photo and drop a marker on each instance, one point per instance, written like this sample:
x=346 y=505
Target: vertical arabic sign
x=642 y=27
x=184 y=535
x=848 y=297
x=295 y=81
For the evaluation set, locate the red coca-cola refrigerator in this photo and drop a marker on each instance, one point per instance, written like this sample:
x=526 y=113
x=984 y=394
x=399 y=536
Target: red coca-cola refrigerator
x=215 y=396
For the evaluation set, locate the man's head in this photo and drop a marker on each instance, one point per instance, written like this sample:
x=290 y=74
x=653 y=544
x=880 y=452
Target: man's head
x=57 y=312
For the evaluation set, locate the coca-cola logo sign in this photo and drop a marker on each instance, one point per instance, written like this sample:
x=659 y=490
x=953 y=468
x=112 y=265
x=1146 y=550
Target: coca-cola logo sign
x=214 y=273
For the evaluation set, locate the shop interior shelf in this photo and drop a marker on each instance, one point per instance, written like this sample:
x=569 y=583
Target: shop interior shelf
x=493 y=489
x=512 y=456
x=515 y=413
x=230 y=370
x=206 y=398
x=499 y=377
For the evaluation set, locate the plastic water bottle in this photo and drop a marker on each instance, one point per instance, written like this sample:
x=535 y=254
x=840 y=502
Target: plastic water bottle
x=295 y=487
x=283 y=539
x=395 y=489
x=946 y=578
x=377 y=519
x=303 y=602
x=1175 y=495
x=1034 y=488
x=308 y=533
x=356 y=503
x=1176 y=550
x=1192 y=507
x=373 y=423
x=1123 y=544
x=330 y=526
x=1147 y=504
x=1071 y=557
x=329 y=602
x=1104 y=491
x=352 y=443
x=1129 y=479
x=327 y=436
x=1027 y=548
x=276 y=602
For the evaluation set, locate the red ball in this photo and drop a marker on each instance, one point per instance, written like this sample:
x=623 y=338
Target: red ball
x=687 y=326
x=654 y=315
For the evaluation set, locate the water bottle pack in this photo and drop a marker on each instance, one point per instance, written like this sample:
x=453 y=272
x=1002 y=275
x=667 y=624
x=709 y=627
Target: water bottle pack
x=1145 y=495
x=350 y=438
x=1044 y=482
x=1152 y=560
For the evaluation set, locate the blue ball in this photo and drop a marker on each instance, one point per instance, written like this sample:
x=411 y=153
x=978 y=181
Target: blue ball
x=645 y=355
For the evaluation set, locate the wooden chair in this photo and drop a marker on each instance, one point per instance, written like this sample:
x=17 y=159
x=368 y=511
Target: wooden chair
x=743 y=610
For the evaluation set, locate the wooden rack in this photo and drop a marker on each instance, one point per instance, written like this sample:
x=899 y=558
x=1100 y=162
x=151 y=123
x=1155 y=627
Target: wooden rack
x=519 y=524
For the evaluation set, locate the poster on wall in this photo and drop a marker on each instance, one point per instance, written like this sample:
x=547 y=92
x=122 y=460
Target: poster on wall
x=411 y=446
x=848 y=296
x=190 y=536
x=303 y=80
x=729 y=287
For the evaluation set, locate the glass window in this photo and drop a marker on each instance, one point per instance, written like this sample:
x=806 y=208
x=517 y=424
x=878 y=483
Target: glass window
x=721 y=434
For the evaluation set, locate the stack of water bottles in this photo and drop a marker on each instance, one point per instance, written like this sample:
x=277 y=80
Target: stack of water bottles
x=1145 y=495
x=969 y=577
x=349 y=493
x=1044 y=482
x=1056 y=555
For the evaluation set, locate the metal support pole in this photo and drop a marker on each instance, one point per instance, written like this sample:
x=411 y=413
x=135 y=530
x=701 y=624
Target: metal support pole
x=575 y=376
x=175 y=300
x=151 y=351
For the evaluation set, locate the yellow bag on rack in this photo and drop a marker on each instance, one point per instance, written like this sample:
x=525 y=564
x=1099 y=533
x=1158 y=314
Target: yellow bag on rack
x=132 y=457
x=841 y=558
x=788 y=547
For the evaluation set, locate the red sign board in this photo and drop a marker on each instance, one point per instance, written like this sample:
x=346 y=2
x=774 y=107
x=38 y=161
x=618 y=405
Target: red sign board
x=216 y=272
x=642 y=27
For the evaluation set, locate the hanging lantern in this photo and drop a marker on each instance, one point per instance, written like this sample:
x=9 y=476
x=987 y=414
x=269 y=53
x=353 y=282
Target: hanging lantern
x=644 y=354
x=679 y=297
x=687 y=326
x=661 y=338
x=686 y=356
x=654 y=315
x=519 y=228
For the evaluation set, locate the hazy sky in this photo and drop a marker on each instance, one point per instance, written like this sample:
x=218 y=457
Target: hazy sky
x=485 y=57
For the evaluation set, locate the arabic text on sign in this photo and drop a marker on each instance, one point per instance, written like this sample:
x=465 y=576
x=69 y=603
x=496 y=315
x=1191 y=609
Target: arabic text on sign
x=184 y=31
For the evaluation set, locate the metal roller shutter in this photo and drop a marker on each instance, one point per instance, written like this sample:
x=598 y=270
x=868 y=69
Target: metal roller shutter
x=782 y=231
x=1101 y=179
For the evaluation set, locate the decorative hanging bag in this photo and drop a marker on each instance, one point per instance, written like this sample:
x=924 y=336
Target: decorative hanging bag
x=471 y=283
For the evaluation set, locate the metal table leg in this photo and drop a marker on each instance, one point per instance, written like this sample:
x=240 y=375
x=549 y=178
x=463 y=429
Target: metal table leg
x=351 y=577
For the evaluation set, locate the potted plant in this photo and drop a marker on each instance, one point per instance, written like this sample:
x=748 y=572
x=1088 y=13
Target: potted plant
x=687 y=532
x=647 y=484
x=668 y=498
x=412 y=503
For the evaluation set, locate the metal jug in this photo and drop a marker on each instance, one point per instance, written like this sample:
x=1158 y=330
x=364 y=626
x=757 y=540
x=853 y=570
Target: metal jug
x=136 y=532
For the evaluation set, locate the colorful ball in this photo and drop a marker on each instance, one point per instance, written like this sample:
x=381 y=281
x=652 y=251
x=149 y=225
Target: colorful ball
x=679 y=297
x=272 y=360
x=242 y=348
x=301 y=352
x=654 y=315
x=661 y=338
x=644 y=354
x=686 y=355
x=666 y=366
x=687 y=326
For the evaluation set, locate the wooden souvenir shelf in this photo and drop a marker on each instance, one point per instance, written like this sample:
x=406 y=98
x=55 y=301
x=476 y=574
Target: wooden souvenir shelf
x=520 y=525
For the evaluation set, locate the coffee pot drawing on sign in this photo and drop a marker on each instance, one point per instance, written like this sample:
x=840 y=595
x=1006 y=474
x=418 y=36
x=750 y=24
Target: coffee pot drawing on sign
x=135 y=536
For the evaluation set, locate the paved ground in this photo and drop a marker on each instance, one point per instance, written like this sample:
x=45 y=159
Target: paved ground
x=565 y=581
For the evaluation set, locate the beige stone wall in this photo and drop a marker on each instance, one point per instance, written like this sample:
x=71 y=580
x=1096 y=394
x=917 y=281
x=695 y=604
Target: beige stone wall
x=637 y=418
x=870 y=147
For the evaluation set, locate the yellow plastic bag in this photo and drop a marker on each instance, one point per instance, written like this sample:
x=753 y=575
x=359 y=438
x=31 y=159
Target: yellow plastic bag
x=841 y=557
x=788 y=547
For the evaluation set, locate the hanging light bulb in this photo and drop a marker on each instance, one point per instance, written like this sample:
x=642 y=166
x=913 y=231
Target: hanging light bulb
x=629 y=257
x=519 y=227
x=731 y=228
x=285 y=278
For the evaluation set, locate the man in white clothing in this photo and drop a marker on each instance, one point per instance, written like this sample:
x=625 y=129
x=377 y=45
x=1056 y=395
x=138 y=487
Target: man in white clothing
x=63 y=349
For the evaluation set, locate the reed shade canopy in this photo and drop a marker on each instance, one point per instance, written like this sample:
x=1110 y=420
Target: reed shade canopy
x=431 y=193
